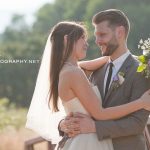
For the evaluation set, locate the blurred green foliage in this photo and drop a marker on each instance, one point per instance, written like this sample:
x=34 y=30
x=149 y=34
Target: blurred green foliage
x=11 y=116
x=21 y=41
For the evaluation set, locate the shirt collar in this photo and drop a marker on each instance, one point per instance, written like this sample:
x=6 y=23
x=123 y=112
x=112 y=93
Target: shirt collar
x=120 y=60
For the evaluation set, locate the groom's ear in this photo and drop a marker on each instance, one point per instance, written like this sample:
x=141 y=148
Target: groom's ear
x=120 y=31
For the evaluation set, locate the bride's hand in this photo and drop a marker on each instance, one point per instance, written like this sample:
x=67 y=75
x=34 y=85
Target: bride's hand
x=146 y=99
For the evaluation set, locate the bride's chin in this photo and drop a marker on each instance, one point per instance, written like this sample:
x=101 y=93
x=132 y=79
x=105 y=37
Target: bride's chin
x=82 y=56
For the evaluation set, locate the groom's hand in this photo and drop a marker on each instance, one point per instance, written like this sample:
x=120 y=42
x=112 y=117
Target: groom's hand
x=70 y=125
x=77 y=123
x=86 y=123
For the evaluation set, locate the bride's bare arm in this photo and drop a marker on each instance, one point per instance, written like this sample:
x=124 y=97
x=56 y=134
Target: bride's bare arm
x=94 y=64
x=83 y=90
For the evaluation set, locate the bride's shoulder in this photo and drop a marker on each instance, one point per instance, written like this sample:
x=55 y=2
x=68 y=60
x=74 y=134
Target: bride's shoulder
x=71 y=72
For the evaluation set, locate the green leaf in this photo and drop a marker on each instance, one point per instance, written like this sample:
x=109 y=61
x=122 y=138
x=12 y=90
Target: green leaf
x=142 y=59
x=141 y=67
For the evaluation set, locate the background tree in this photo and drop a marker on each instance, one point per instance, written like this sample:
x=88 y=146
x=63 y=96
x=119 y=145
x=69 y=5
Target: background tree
x=21 y=41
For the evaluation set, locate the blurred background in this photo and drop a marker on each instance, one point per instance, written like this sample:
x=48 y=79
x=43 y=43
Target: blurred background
x=24 y=28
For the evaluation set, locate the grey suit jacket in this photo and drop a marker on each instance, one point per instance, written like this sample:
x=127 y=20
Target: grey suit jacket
x=126 y=133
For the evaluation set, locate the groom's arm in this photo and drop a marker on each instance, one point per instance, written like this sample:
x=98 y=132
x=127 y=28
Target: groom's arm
x=130 y=125
x=61 y=133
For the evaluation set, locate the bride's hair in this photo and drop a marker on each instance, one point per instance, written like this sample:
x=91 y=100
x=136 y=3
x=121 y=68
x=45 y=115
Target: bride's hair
x=61 y=52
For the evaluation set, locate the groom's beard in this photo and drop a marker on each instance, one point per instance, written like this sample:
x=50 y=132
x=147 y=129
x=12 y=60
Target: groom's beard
x=111 y=48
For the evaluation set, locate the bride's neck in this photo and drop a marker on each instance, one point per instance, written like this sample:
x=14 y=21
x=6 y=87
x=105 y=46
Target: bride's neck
x=72 y=62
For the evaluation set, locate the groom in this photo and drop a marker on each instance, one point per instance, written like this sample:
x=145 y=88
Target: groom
x=111 y=32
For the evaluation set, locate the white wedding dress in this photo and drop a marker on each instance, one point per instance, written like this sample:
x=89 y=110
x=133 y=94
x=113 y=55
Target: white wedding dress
x=84 y=141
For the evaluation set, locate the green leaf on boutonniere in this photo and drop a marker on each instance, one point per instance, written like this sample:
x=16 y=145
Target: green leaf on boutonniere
x=141 y=67
x=142 y=58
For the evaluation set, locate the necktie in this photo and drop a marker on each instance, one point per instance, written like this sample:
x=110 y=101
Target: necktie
x=108 y=78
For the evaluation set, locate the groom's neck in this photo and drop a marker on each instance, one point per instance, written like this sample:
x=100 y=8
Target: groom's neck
x=118 y=53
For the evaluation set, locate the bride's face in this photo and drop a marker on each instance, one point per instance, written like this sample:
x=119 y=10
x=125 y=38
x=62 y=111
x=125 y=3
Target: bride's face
x=80 y=48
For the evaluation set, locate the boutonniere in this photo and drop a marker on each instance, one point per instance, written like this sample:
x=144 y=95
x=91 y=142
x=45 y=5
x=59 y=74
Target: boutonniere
x=118 y=80
x=144 y=65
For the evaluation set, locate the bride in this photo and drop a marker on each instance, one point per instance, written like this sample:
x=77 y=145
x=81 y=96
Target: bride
x=67 y=44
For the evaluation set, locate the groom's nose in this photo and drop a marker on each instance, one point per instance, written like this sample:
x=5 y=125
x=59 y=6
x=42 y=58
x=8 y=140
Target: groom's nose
x=98 y=41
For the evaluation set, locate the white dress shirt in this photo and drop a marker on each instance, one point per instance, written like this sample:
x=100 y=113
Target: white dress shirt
x=116 y=66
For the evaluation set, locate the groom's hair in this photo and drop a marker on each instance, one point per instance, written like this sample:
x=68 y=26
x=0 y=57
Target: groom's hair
x=114 y=17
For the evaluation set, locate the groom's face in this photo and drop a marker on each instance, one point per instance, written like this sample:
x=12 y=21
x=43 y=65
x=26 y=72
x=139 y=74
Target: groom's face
x=106 y=38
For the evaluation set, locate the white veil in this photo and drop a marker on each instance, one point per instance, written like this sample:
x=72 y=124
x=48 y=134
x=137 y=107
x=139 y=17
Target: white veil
x=40 y=118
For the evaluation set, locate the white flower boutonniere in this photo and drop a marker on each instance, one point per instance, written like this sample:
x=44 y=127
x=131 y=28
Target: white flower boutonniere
x=118 y=80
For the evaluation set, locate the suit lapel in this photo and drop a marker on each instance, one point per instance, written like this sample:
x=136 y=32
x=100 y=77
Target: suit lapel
x=124 y=68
